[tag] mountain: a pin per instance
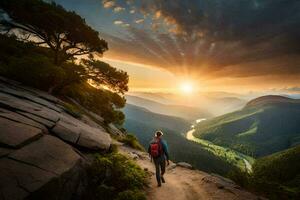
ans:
(264, 126)
(279, 174)
(186, 112)
(201, 105)
(143, 124)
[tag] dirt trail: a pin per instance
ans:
(186, 184)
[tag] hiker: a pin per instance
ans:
(158, 150)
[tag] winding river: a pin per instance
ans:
(240, 160)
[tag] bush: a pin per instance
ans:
(132, 141)
(114, 176)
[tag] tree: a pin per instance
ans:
(105, 75)
(49, 24)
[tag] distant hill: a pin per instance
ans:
(264, 126)
(186, 112)
(143, 123)
(199, 105)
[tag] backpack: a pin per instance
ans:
(156, 149)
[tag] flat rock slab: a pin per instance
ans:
(43, 121)
(18, 180)
(48, 153)
(23, 94)
(72, 130)
(66, 129)
(21, 119)
(14, 134)
(14, 103)
(5, 151)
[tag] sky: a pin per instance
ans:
(213, 45)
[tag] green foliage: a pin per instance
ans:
(276, 176)
(114, 176)
(53, 26)
(104, 74)
(102, 102)
(132, 141)
(257, 130)
(33, 66)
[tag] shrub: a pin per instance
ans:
(114, 176)
(132, 141)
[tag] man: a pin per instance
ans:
(158, 150)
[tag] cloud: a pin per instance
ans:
(139, 21)
(108, 4)
(118, 9)
(118, 22)
(220, 38)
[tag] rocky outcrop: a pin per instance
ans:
(42, 146)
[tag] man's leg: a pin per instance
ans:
(163, 169)
(157, 171)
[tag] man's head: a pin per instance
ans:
(158, 134)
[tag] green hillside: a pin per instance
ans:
(264, 126)
(276, 176)
(143, 124)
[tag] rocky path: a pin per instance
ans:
(183, 183)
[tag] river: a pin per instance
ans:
(240, 160)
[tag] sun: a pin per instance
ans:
(187, 87)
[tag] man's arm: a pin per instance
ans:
(165, 148)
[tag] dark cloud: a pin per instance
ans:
(236, 38)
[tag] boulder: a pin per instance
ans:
(171, 166)
(185, 165)
(72, 130)
(46, 153)
(14, 134)
(66, 129)
(38, 166)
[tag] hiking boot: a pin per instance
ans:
(162, 179)
(159, 185)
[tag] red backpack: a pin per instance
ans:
(156, 148)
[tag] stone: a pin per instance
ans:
(14, 134)
(185, 165)
(66, 129)
(13, 103)
(171, 166)
(23, 94)
(48, 153)
(72, 130)
(91, 123)
(43, 121)
(5, 151)
(93, 138)
(21, 119)
(133, 155)
(18, 179)
(114, 130)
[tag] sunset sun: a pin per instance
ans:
(187, 87)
